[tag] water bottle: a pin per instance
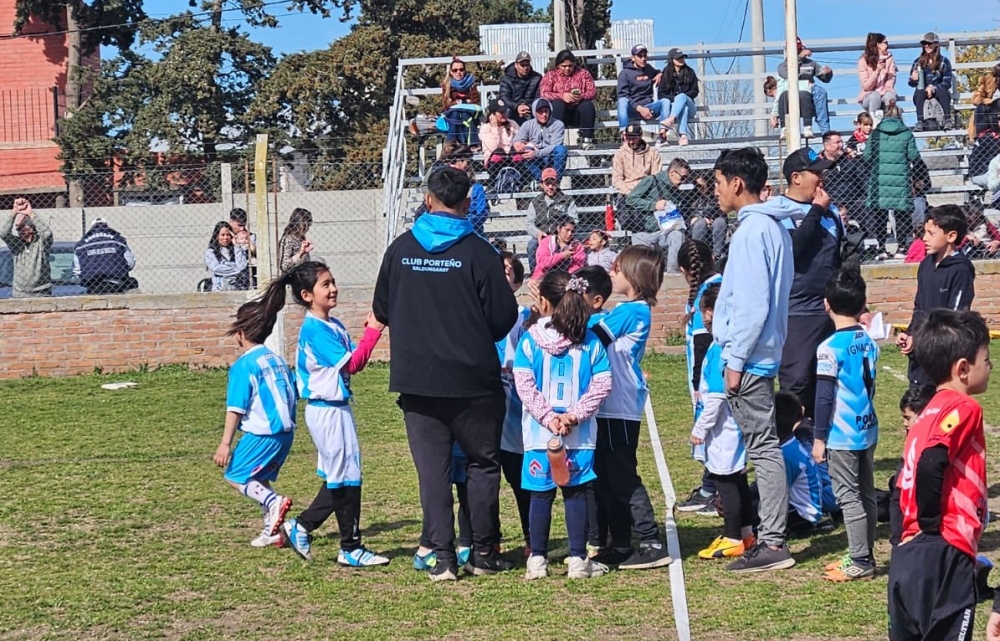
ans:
(920, 82)
(558, 462)
(609, 218)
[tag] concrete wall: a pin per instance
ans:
(63, 336)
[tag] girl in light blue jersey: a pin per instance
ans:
(260, 403)
(562, 375)
(325, 360)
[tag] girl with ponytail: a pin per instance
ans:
(562, 375)
(325, 360)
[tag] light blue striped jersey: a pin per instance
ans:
(262, 389)
(627, 328)
(849, 358)
(725, 451)
(696, 326)
(324, 349)
(510, 438)
(805, 487)
(562, 379)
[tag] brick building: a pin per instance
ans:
(33, 69)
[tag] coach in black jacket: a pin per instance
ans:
(442, 292)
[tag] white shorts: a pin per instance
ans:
(336, 439)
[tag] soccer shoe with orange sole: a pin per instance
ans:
(852, 571)
(722, 548)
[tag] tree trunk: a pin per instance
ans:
(74, 77)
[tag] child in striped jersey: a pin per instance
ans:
(325, 360)
(260, 402)
(562, 375)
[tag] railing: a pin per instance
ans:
(28, 115)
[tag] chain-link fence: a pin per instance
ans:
(181, 224)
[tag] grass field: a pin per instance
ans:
(115, 524)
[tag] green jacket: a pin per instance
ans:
(650, 189)
(890, 154)
(32, 275)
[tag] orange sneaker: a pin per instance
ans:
(852, 571)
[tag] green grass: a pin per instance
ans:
(114, 524)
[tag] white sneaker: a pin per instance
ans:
(265, 540)
(587, 144)
(537, 568)
(807, 132)
(585, 568)
(276, 514)
(360, 558)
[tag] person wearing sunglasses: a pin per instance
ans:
(931, 79)
(570, 89)
(460, 104)
(519, 87)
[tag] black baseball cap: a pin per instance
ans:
(633, 129)
(804, 159)
(497, 105)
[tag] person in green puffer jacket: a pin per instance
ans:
(891, 155)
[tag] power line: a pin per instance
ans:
(746, 11)
(136, 24)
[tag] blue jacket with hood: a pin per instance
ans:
(443, 293)
(751, 314)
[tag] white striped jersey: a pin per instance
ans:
(324, 349)
(624, 331)
(262, 389)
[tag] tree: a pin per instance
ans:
(587, 21)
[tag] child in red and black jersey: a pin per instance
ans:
(932, 590)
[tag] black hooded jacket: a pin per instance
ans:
(948, 285)
(516, 91)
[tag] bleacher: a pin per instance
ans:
(588, 174)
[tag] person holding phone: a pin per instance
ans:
(560, 250)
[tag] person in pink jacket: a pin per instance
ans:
(571, 90)
(560, 250)
(877, 73)
(497, 138)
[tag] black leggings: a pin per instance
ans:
(511, 463)
(345, 502)
(737, 509)
(582, 115)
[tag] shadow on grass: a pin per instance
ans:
(887, 464)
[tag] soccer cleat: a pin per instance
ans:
(585, 568)
(462, 554)
(442, 572)
(424, 563)
(360, 557)
(649, 555)
(761, 558)
(722, 548)
(851, 571)
(694, 502)
(276, 513)
(297, 538)
(265, 540)
(537, 568)
(838, 564)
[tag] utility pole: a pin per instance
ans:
(558, 25)
(759, 67)
(792, 53)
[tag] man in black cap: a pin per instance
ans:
(519, 87)
(816, 240)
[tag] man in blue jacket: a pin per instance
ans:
(443, 293)
(751, 323)
(102, 260)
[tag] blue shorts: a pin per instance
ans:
(258, 458)
(536, 476)
(459, 474)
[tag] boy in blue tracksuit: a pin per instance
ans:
(751, 320)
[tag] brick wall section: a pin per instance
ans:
(59, 337)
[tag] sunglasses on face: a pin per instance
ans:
(457, 69)
(642, 55)
(524, 63)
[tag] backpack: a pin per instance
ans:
(629, 218)
(508, 181)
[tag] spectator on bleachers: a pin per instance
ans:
(539, 141)
(653, 194)
(635, 92)
(983, 239)
(705, 216)
(985, 149)
(811, 71)
(460, 157)
(497, 135)
(460, 104)
(891, 155)
(632, 162)
(560, 250)
(519, 87)
(545, 208)
(29, 239)
(877, 74)
(863, 126)
(599, 250)
(930, 76)
(679, 87)
(294, 247)
(570, 90)
(777, 90)
(226, 260)
(844, 180)
(986, 99)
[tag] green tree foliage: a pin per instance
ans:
(110, 23)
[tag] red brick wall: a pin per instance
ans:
(58, 337)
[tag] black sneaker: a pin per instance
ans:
(483, 564)
(443, 572)
(761, 558)
(712, 508)
(613, 556)
(649, 556)
(694, 502)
